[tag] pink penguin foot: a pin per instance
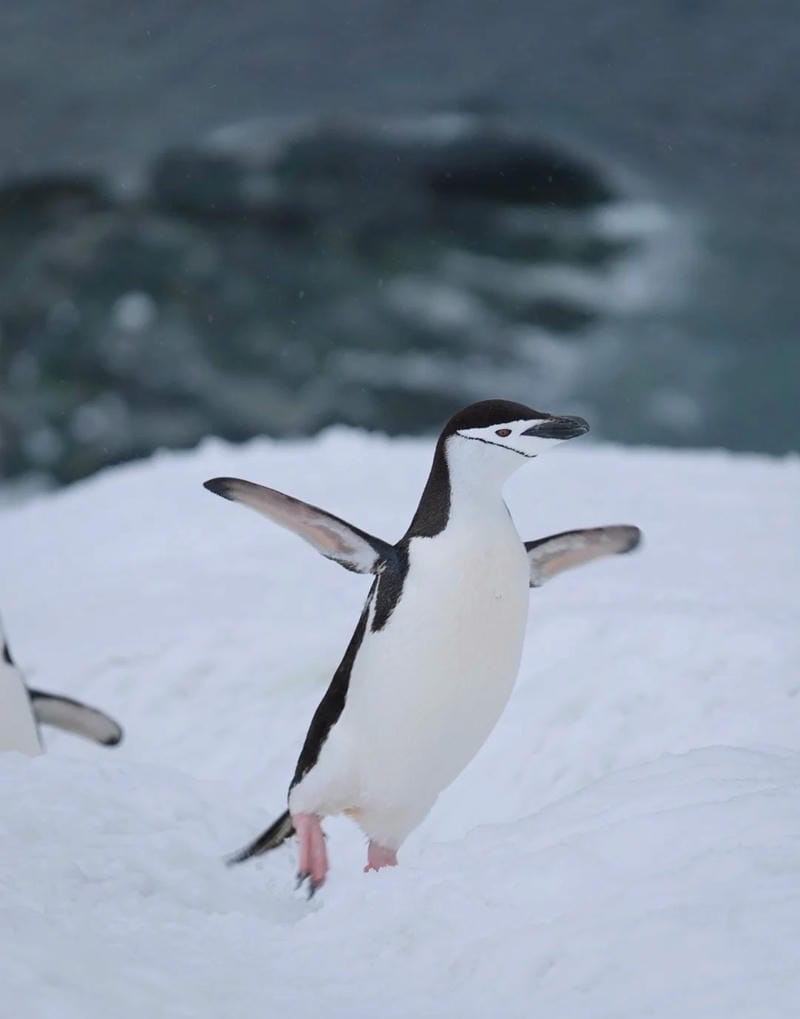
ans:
(380, 856)
(313, 863)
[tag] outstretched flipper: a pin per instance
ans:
(558, 552)
(72, 716)
(333, 537)
(273, 837)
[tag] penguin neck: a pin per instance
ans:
(466, 480)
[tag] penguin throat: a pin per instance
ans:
(478, 470)
(466, 477)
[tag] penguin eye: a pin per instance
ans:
(503, 432)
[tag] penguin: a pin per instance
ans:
(436, 650)
(23, 710)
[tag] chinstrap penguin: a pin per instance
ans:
(436, 651)
(23, 710)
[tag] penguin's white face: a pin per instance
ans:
(527, 437)
(487, 441)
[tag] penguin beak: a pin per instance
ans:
(558, 428)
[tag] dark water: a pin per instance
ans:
(271, 223)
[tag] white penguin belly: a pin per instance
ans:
(18, 729)
(428, 688)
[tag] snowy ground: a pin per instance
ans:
(626, 845)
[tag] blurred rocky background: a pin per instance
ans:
(268, 218)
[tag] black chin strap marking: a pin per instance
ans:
(477, 438)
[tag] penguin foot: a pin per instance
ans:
(379, 856)
(312, 884)
(313, 862)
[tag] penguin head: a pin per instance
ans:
(502, 434)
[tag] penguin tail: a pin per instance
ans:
(273, 837)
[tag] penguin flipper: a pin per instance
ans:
(333, 537)
(274, 836)
(72, 716)
(558, 552)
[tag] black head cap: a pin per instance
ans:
(486, 413)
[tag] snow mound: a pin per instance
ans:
(626, 844)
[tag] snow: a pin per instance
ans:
(627, 844)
